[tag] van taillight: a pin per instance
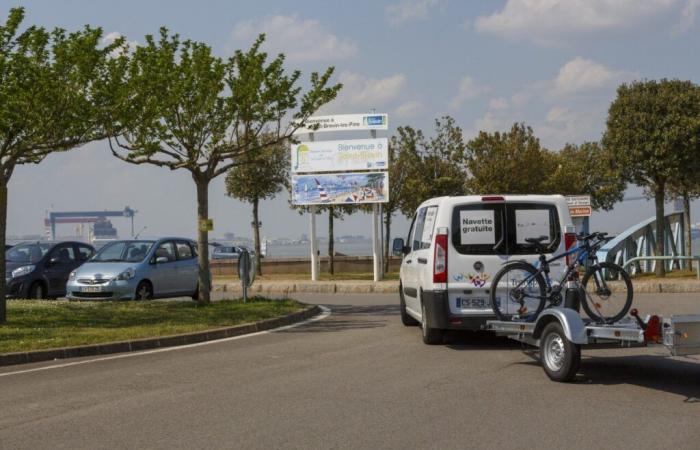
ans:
(493, 198)
(569, 242)
(440, 259)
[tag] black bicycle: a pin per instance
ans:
(520, 290)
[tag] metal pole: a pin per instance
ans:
(381, 238)
(375, 244)
(314, 247)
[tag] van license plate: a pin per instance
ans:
(91, 289)
(475, 302)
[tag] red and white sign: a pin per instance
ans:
(580, 211)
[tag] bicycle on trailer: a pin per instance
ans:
(528, 288)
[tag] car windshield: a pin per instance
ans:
(27, 253)
(123, 251)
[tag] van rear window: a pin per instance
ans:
(502, 228)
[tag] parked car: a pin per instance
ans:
(227, 252)
(41, 269)
(457, 244)
(138, 269)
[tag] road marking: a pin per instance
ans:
(325, 312)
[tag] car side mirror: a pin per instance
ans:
(398, 248)
(161, 260)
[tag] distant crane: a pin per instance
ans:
(85, 217)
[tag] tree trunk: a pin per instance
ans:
(387, 240)
(660, 228)
(686, 227)
(331, 251)
(3, 227)
(256, 228)
(203, 241)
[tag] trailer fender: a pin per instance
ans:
(570, 320)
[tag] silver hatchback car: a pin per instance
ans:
(138, 269)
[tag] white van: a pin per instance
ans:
(457, 244)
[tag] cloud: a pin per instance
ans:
(408, 109)
(301, 40)
(468, 90)
(687, 17)
(411, 10)
(364, 92)
(498, 103)
(580, 75)
(550, 22)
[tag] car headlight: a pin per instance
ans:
(128, 274)
(21, 271)
(72, 276)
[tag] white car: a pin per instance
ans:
(457, 244)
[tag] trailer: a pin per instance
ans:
(560, 333)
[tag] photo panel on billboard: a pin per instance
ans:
(340, 188)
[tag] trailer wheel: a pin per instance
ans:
(559, 356)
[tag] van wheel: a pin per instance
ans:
(37, 291)
(406, 319)
(144, 291)
(431, 336)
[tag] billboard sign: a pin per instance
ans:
(346, 155)
(340, 188)
(345, 122)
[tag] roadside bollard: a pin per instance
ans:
(246, 272)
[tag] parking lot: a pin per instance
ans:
(356, 379)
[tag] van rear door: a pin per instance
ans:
(487, 235)
(478, 250)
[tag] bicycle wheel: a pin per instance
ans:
(606, 303)
(518, 292)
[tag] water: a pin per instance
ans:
(303, 250)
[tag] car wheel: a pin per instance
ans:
(144, 291)
(431, 336)
(37, 291)
(195, 296)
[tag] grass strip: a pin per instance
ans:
(41, 324)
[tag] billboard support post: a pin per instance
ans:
(314, 245)
(375, 243)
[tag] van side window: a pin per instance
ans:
(426, 237)
(418, 229)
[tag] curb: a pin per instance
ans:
(392, 287)
(9, 359)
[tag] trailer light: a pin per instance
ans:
(455, 321)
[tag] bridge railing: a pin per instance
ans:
(638, 244)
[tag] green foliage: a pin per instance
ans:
(587, 169)
(433, 165)
(52, 88)
(261, 175)
(511, 162)
(653, 130)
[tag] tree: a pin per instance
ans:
(185, 109)
(585, 169)
(436, 170)
(513, 162)
(259, 176)
(653, 129)
(402, 153)
(52, 88)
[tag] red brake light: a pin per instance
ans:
(440, 259)
(493, 198)
(569, 243)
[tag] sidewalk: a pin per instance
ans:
(652, 286)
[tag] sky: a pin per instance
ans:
(553, 64)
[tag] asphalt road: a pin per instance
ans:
(356, 379)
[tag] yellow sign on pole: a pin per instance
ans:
(206, 224)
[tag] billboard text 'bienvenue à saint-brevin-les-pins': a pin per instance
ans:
(311, 162)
